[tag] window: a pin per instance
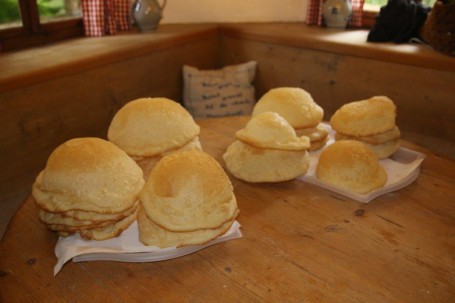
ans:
(26, 23)
(371, 9)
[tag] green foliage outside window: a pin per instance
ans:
(9, 9)
(51, 8)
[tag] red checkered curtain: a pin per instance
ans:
(314, 13)
(357, 13)
(105, 17)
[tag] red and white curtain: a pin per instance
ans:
(314, 13)
(105, 17)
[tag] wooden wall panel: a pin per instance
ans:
(424, 97)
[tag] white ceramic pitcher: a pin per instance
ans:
(337, 13)
(147, 14)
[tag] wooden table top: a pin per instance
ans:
(301, 243)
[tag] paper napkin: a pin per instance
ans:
(127, 248)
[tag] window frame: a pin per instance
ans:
(369, 18)
(33, 33)
(370, 12)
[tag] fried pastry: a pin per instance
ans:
(351, 165)
(149, 128)
(298, 107)
(371, 121)
(187, 199)
(89, 186)
(267, 150)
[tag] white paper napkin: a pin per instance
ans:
(402, 169)
(127, 248)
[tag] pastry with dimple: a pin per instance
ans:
(351, 165)
(267, 150)
(371, 121)
(187, 199)
(298, 107)
(149, 128)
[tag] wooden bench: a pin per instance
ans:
(72, 89)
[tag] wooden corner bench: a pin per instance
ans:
(72, 89)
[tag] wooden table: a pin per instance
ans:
(300, 243)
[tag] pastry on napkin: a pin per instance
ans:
(188, 199)
(191, 204)
(351, 165)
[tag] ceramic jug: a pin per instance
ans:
(337, 13)
(147, 14)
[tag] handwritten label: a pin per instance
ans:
(216, 93)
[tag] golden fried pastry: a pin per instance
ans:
(148, 163)
(319, 135)
(366, 117)
(152, 234)
(69, 223)
(389, 135)
(188, 191)
(351, 165)
(108, 231)
(298, 107)
(83, 215)
(267, 150)
(292, 103)
(252, 164)
(270, 130)
(79, 218)
(371, 121)
(149, 128)
(88, 183)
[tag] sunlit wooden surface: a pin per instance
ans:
(300, 243)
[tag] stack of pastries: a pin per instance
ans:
(97, 187)
(89, 186)
(371, 121)
(267, 150)
(365, 132)
(187, 199)
(297, 106)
